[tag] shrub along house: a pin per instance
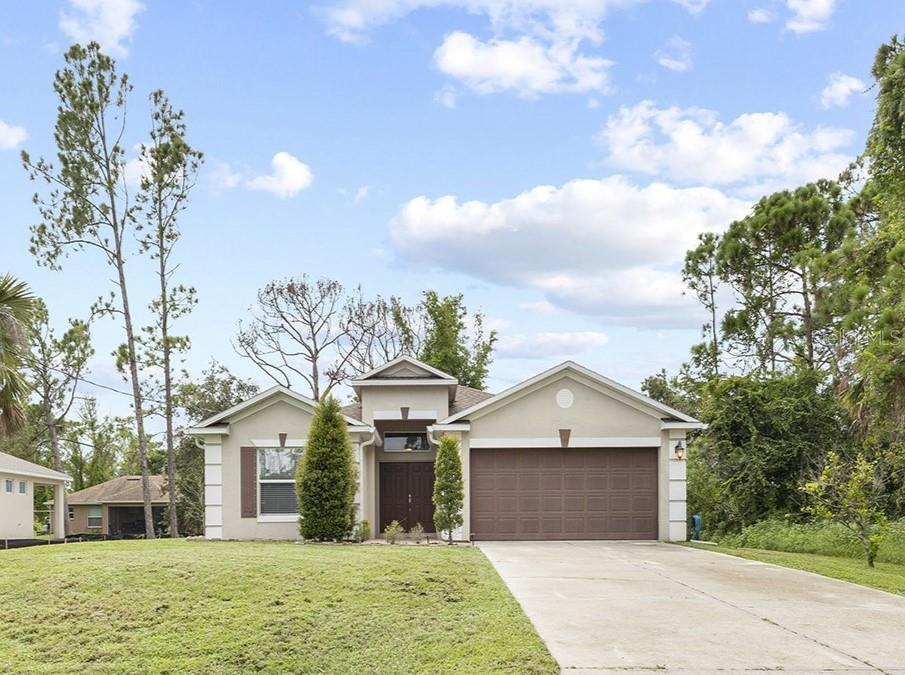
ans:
(116, 507)
(567, 454)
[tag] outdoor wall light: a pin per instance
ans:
(680, 450)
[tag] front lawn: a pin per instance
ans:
(885, 576)
(231, 607)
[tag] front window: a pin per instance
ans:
(9, 485)
(405, 442)
(23, 487)
(95, 517)
(276, 481)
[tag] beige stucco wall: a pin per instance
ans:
(390, 398)
(16, 511)
(536, 414)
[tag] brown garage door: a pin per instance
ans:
(564, 493)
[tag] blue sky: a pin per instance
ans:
(550, 159)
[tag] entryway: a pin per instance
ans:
(406, 494)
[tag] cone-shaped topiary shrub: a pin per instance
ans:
(325, 478)
(449, 491)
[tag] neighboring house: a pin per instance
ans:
(17, 497)
(116, 507)
(567, 454)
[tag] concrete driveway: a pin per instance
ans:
(649, 607)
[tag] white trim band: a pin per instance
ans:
(551, 442)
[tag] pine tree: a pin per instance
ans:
(449, 490)
(325, 479)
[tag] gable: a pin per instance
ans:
(270, 420)
(566, 401)
(402, 368)
(406, 370)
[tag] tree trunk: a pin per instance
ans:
(54, 435)
(716, 348)
(808, 319)
(167, 388)
(136, 397)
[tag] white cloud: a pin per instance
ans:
(760, 15)
(11, 136)
(809, 15)
(109, 22)
(754, 152)
(223, 177)
(676, 55)
(693, 6)
(536, 46)
(526, 66)
(549, 345)
(604, 247)
(361, 194)
(289, 177)
(446, 96)
(839, 89)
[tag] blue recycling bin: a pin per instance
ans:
(697, 524)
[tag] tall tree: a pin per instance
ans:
(17, 308)
(449, 490)
(311, 331)
(87, 205)
(771, 259)
(701, 274)
(170, 169)
(56, 366)
(447, 345)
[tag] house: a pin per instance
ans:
(567, 454)
(17, 497)
(116, 507)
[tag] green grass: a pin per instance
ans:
(242, 607)
(888, 577)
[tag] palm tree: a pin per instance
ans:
(17, 307)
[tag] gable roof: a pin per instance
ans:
(464, 397)
(605, 382)
(263, 396)
(121, 489)
(430, 372)
(21, 467)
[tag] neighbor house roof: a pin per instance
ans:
(17, 466)
(629, 395)
(125, 489)
(465, 397)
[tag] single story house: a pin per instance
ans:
(567, 454)
(116, 507)
(18, 478)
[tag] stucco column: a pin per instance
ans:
(59, 511)
(213, 488)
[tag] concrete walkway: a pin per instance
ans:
(606, 607)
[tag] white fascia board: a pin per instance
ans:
(58, 478)
(277, 389)
(361, 429)
(404, 382)
(412, 361)
(462, 426)
(219, 430)
(682, 425)
(606, 382)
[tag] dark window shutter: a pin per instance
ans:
(249, 481)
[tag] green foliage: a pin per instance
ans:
(701, 274)
(17, 309)
(362, 531)
(819, 537)
(680, 392)
(325, 481)
(851, 494)
(765, 436)
(393, 531)
(449, 489)
(416, 532)
(446, 340)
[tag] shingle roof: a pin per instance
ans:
(465, 397)
(122, 489)
(20, 467)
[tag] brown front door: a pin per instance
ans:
(406, 494)
(564, 493)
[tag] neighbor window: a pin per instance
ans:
(71, 513)
(276, 480)
(405, 442)
(95, 516)
(9, 485)
(23, 487)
